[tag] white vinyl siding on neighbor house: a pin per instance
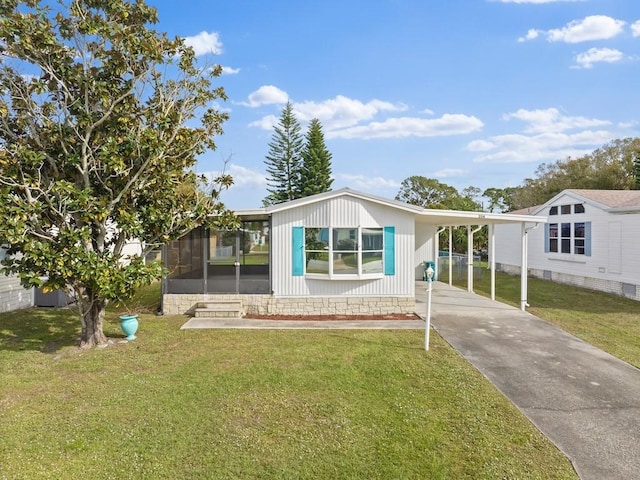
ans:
(343, 215)
(600, 247)
(12, 295)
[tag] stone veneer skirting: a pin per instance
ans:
(178, 304)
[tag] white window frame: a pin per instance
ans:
(331, 251)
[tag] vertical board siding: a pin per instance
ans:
(343, 212)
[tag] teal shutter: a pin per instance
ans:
(546, 238)
(389, 250)
(587, 239)
(297, 250)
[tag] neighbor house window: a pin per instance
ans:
(579, 238)
(343, 252)
(568, 238)
(553, 237)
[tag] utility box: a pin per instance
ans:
(57, 298)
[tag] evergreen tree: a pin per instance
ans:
(315, 171)
(636, 171)
(284, 159)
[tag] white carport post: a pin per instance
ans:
(470, 234)
(525, 266)
(492, 258)
(450, 255)
(523, 269)
(436, 250)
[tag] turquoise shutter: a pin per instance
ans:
(389, 250)
(546, 238)
(297, 249)
(587, 239)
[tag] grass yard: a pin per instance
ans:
(609, 322)
(252, 404)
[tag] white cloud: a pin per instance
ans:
(366, 182)
(548, 136)
(595, 55)
(344, 117)
(402, 127)
(267, 95)
(531, 35)
(265, 123)
(341, 111)
(230, 71)
(594, 27)
(545, 147)
(635, 29)
(204, 43)
(450, 173)
(551, 120)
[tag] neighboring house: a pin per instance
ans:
(590, 240)
(12, 295)
(341, 252)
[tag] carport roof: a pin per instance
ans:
(438, 217)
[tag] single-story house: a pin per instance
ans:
(590, 240)
(341, 252)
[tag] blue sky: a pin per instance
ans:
(470, 92)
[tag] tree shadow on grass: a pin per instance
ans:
(44, 330)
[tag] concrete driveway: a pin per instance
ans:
(584, 400)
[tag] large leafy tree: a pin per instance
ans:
(284, 159)
(499, 199)
(315, 170)
(430, 193)
(101, 120)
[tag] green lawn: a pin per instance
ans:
(609, 322)
(252, 404)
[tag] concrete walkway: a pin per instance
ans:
(584, 400)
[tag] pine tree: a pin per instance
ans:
(636, 170)
(315, 171)
(284, 159)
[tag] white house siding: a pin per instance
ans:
(424, 247)
(614, 264)
(343, 211)
(12, 295)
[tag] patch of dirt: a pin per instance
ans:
(391, 316)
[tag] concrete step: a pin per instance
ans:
(219, 309)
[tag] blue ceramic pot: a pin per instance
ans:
(129, 325)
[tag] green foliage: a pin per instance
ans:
(499, 199)
(97, 145)
(315, 170)
(284, 159)
(430, 193)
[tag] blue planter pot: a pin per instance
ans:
(129, 325)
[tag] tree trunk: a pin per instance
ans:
(92, 312)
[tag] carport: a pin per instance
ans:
(446, 220)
